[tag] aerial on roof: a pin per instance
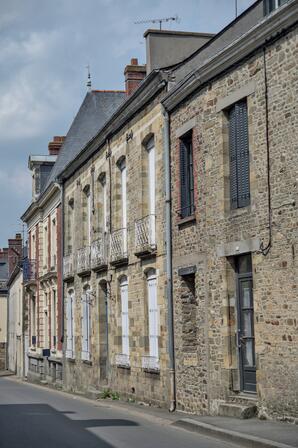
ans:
(95, 110)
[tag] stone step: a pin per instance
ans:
(237, 410)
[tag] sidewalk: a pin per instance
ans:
(6, 373)
(252, 433)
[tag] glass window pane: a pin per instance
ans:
(244, 264)
(247, 323)
(248, 354)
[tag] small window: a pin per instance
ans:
(239, 155)
(271, 5)
(186, 176)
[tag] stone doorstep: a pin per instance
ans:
(237, 410)
(241, 439)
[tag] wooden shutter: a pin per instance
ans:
(124, 317)
(183, 180)
(242, 154)
(233, 158)
(239, 155)
(85, 340)
(153, 317)
(69, 327)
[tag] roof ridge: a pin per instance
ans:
(109, 91)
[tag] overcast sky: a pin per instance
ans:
(45, 46)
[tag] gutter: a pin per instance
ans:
(169, 271)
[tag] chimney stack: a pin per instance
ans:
(134, 75)
(55, 145)
(14, 252)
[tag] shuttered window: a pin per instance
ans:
(186, 176)
(70, 347)
(153, 316)
(86, 326)
(124, 317)
(239, 155)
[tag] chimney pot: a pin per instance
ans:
(55, 145)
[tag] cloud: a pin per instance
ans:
(17, 182)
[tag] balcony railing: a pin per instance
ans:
(122, 360)
(145, 234)
(68, 267)
(29, 270)
(118, 245)
(83, 259)
(99, 252)
(150, 363)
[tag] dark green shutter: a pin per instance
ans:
(233, 158)
(242, 154)
(183, 179)
(239, 155)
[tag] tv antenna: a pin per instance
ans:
(160, 21)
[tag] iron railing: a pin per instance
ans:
(150, 363)
(122, 360)
(83, 259)
(98, 252)
(145, 233)
(68, 266)
(118, 244)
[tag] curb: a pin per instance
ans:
(245, 440)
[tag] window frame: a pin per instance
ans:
(186, 175)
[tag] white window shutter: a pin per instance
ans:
(125, 323)
(153, 317)
(85, 351)
(69, 338)
(73, 324)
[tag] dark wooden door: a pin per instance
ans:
(246, 339)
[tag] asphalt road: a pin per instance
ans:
(35, 417)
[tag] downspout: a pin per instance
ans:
(61, 188)
(168, 239)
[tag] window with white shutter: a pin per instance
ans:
(124, 316)
(239, 155)
(86, 326)
(153, 315)
(70, 345)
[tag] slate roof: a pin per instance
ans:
(97, 107)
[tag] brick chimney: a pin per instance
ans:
(14, 252)
(134, 75)
(55, 145)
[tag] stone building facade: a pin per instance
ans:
(235, 257)
(42, 272)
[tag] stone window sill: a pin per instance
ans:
(88, 363)
(187, 220)
(72, 360)
(152, 371)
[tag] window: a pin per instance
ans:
(87, 215)
(53, 245)
(103, 182)
(54, 320)
(271, 5)
(86, 321)
(153, 314)
(186, 176)
(70, 340)
(124, 316)
(239, 155)
(151, 197)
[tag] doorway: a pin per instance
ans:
(245, 323)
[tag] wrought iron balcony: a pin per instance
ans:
(68, 267)
(118, 245)
(145, 239)
(29, 270)
(83, 260)
(99, 252)
(122, 360)
(150, 363)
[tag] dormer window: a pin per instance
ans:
(271, 5)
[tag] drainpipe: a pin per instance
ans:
(168, 238)
(61, 188)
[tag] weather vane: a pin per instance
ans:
(88, 84)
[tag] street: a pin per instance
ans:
(36, 417)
